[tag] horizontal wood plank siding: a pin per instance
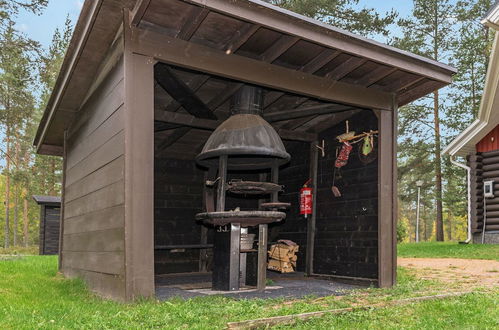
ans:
(102, 262)
(112, 217)
(109, 240)
(94, 233)
(109, 174)
(107, 285)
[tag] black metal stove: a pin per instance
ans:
(245, 141)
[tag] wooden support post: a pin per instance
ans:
(139, 170)
(209, 206)
(226, 250)
(314, 159)
(235, 255)
(222, 178)
(262, 257)
(63, 191)
(263, 233)
(387, 198)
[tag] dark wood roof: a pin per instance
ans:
(246, 29)
(47, 199)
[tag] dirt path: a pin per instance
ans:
(456, 272)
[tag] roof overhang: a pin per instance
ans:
(491, 19)
(409, 76)
(488, 116)
(47, 200)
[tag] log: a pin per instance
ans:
(490, 174)
(290, 319)
(490, 160)
(491, 167)
(490, 154)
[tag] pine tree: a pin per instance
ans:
(429, 32)
(16, 100)
(344, 14)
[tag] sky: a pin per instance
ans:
(41, 28)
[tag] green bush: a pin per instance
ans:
(402, 231)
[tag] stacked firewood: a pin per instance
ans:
(282, 256)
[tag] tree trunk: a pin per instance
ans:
(438, 169)
(16, 192)
(7, 190)
(26, 223)
(16, 214)
(425, 231)
(449, 225)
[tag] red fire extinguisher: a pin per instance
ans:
(306, 197)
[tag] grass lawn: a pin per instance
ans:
(448, 250)
(32, 295)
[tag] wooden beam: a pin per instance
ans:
(207, 124)
(195, 84)
(296, 135)
(296, 123)
(63, 200)
(174, 137)
(177, 89)
(240, 37)
(305, 112)
(419, 91)
(332, 120)
(278, 48)
(320, 60)
(186, 120)
(206, 59)
(345, 68)
(314, 162)
(270, 322)
(399, 84)
(191, 25)
(387, 188)
(374, 76)
(139, 171)
(138, 12)
(287, 22)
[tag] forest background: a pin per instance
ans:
(444, 30)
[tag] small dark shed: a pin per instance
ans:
(50, 216)
(145, 88)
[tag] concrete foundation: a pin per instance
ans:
(491, 237)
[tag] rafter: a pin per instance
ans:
(320, 60)
(192, 24)
(209, 60)
(345, 68)
(278, 48)
(177, 89)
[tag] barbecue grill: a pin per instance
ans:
(244, 142)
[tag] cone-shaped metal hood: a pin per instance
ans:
(248, 140)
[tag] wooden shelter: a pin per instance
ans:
(50, 208)
(478, 144)
(143, 85)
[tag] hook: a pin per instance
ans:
(322, 149)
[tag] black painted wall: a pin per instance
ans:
(177, 198)
(347, 227)
(293, 176)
